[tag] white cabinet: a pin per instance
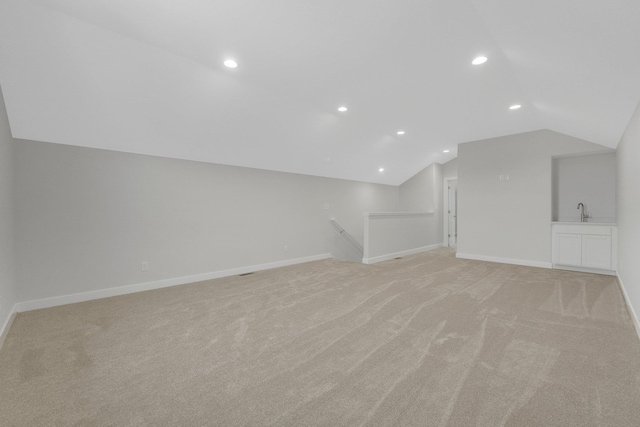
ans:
(596, 251)
(569, 249)
(584, 247)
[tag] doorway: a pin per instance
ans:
(450, 217)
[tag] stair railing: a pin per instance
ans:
(348, 237)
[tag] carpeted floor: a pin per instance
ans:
(427, 340)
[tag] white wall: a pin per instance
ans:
(450, 169)
(389, 235)
(423, 193)
(7, 254)
(417, 227)
(87, 218)
(590, 180)
(508, 219)
(628, 185)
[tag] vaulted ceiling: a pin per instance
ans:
(147, 76)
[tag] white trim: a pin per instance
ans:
(139, 287)
(7, 324)
(606, 224)
(634, 315)
(399, 254)
(584, 269)
(365, 245)
(445, 210)
(396, 214)
(514, 261)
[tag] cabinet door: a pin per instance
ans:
(569, 249)
(596, 251)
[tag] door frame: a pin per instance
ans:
(445, 210)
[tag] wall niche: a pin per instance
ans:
(588, 179)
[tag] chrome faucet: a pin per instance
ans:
(583, 216)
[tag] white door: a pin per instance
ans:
(453, 213)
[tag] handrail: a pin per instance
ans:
(348, 237)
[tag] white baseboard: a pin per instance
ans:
(584, 270)
(634, 315)
(4, 331)
(513, 261)
(147, 286)
(386, 257)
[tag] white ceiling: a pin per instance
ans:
(146, 76)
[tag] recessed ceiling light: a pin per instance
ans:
(381, 170)
(342, 109)
(515, 107)
(479, 60)
(400, 132)
(445, 151)
(230, 63)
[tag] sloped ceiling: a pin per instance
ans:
(147, 76)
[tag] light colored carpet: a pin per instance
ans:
(426, 340)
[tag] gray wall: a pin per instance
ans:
(585, 179)
(450, 169)
(392, 235)
(87, 218)
(7, 237)
(423, 192)
(628, 183)
(509, 218)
